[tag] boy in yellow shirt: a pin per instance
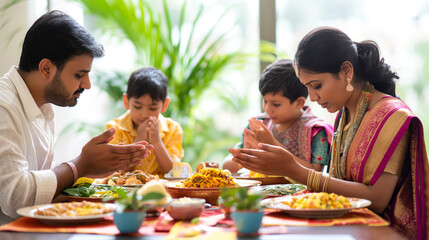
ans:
(145, 100)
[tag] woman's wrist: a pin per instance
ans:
(298, 172)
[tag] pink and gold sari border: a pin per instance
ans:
(367, 137)
(389, 151)
(420, 185)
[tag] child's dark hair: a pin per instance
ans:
(148, 80)
(324, 49)
(280, 77)
(57, 37)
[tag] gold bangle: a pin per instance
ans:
(310, 179)
(313, 180)
(325, 183)
(318, 177)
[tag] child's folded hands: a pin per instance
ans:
(260, 133)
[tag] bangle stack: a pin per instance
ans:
(325, 183)
(314, 179)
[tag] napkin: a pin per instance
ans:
(208, 218)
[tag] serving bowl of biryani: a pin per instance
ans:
(206, 184)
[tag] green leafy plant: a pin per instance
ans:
(135, 202)
(4, 7)
(169, 39)
(190, 64)
(241, 199)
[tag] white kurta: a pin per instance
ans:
(26, 148)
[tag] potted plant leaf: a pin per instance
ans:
(246, 210)
(131, 210)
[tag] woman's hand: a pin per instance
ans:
(268, 159)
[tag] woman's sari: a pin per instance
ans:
(379, 132)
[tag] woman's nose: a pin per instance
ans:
(313, 96)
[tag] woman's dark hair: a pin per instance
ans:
(57, 37)
(148, 80)
(324, 49)
(280, 77)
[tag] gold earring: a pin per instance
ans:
(349, 87)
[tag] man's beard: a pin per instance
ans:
(57, 94)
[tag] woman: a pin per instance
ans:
(378, 151)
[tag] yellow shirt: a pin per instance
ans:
(169, 130)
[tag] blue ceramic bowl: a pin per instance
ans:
(129, 222)
(247, 222)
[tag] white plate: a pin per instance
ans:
(62, 220)
(174, 178)
(276, 203)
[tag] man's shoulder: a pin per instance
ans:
(8, 94)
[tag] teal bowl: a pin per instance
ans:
(129, 222)
(247, 222)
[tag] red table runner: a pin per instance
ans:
(274, 222)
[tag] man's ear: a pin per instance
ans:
(299, 102)
(47, 69)
(125, 100)
(165, 104)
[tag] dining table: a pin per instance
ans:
(317, 233)
(279, 222)
(357, 224)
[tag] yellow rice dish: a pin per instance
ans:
(71, 209)
(210, 178)
(320, 200)
(253, 174)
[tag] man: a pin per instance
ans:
(56, 58)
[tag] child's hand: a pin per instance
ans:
(153, 131)
(142, 131)
(250, 140)
(261, 132)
